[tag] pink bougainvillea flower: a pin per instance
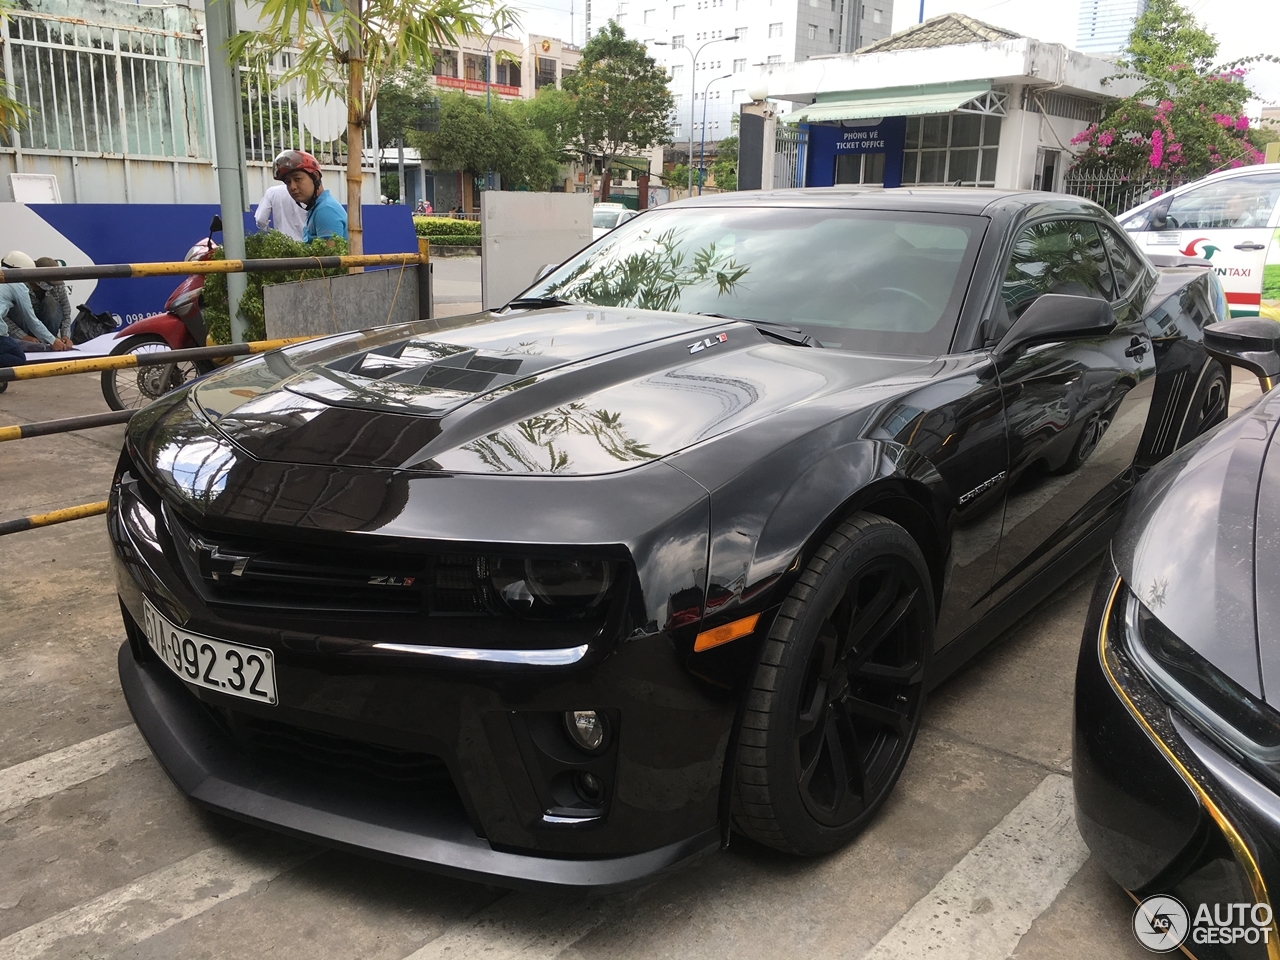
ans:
(1242, 123)
(1157, 148)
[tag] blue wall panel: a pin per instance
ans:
(827, 142)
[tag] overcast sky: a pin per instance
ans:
(1243, 27)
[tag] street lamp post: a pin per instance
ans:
(693, 89)
(702, 147)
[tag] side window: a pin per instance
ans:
(1058, 256)
(1124, 262)
(1238, 202)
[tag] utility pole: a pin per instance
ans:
(228, 137)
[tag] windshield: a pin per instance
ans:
(605, 218)
(873, 281)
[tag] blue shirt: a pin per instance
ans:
(15, 306)
(326, 218)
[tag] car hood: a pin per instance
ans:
(1187, 546)
(567, 390)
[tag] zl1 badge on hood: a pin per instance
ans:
(708, 342)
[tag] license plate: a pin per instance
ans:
(230, 668)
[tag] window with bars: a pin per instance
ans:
(775, 30)
(954, 148)
(546, 75)
(677, 40)
(740, 65)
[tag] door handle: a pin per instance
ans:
(1136, 349)
(1250, 245)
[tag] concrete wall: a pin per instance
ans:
(520, 232)
(353, 301)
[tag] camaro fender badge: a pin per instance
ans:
(981, 488)
(708, 342)
(392, 581)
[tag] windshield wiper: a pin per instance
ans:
(538, 303)
(773, 329)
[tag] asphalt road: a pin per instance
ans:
(975, 856)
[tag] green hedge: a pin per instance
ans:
(267, 244)
(435, 227)
(454, 241)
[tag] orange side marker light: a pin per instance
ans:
(723, 634)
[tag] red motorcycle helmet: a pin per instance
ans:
(291, 160)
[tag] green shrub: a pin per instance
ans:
(434, 227)
(454, 241)
(265, 245)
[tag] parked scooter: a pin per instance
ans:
(181, 326)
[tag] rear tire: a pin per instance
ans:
(1209, 405)
(837, 697)
(134, 387)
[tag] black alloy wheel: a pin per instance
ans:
(839, 692)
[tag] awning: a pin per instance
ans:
(889, 102)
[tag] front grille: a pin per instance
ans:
(341, 758)
(247, 571)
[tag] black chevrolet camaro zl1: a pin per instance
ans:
(673, 544)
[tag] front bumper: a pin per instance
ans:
(207, 767)
(1162, 808)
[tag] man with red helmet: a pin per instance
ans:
(300, 173)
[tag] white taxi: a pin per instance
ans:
(1230, 219)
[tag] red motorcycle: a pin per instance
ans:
(181, 326)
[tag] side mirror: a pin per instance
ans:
(215, 225)
(543, 271)
(1249, 342)
(1058, 316)
(1158, 218)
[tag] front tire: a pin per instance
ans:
(839, 691)
(134, 388)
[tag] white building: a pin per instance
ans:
(951, 101)
(1105, 25)
(729, 38)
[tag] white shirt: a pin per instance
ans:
(278, 208)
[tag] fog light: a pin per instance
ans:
(586, 729)
(590, 788)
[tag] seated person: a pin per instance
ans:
(15, 309)
(52, 305)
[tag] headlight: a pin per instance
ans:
(551, 587)
(1218, 705)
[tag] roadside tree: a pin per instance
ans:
(348, 53)
(475, 138)
(1188, 119)
(622, 98)
(724, 169)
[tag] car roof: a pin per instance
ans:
(961, 200)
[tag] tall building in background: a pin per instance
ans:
(1105, 25)
(768, 32)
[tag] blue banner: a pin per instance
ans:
(151, 232)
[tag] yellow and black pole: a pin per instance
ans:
(61, 368)
(111, 271)
(52, 517)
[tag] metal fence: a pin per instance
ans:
(118, 93)
(280, 118)
(97, 88)
(1117, 190)
(790, 150)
